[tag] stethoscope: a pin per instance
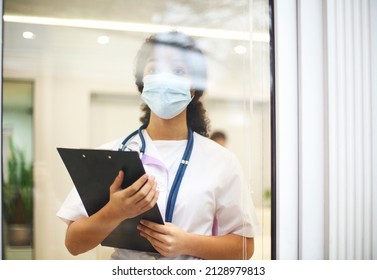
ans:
(181, 170)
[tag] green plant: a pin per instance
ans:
(18, 189)
(267, 194)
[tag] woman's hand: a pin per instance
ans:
(133, 200)
(85, 234)
(169, 240)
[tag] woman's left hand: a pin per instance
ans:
(169, 240)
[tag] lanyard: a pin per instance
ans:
(181, 169)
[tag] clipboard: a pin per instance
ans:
(92, 172)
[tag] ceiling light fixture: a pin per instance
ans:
(28, 35)
(140, 27)
(103, 40)
(240, 49)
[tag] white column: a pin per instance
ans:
(349, 133)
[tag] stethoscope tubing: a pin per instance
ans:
(181, 169)
(123, 146)
(178, 178)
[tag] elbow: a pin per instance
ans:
(73, 253)
(249, 253)
(73, 250)
(249, 248)
(70, 243)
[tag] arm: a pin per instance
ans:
(226, 247)
(170, 240)
(83, 235)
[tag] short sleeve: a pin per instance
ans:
(72, 208)
(235, 211)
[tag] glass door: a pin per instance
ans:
(80, 55)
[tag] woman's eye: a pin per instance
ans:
(180, 71)
(151, 70)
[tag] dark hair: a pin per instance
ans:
(195, 60)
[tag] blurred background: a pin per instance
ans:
(68, 82)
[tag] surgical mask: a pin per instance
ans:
(167, 95)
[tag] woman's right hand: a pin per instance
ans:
(133, 200)
(85, 234)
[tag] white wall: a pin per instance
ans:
(329, 117)
(349, 86)
(373, 16)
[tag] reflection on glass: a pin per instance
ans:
(85, 94)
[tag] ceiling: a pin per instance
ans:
(68, 44)
(223, 14)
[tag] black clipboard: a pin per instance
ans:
(92, 172)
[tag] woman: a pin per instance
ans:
(196, 183)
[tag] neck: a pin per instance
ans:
(173, 129)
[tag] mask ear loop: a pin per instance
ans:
(192, 93)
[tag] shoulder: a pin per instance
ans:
(111, 145)
(209, 149)
(219, 164)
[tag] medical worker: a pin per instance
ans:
(219, 137)
(197, 184)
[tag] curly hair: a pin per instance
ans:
(194, 58)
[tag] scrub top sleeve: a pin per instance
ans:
(235, 209)
(72, 209)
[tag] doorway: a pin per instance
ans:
(17, 190)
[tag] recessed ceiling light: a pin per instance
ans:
(240, 49)
(103, 40)
(28, 35)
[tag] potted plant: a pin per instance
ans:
(18, 199)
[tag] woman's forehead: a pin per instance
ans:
(163, 52)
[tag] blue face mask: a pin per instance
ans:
(167, 95)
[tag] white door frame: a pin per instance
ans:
(286, 99)
(1, 139)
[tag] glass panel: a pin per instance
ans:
(81, 55)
